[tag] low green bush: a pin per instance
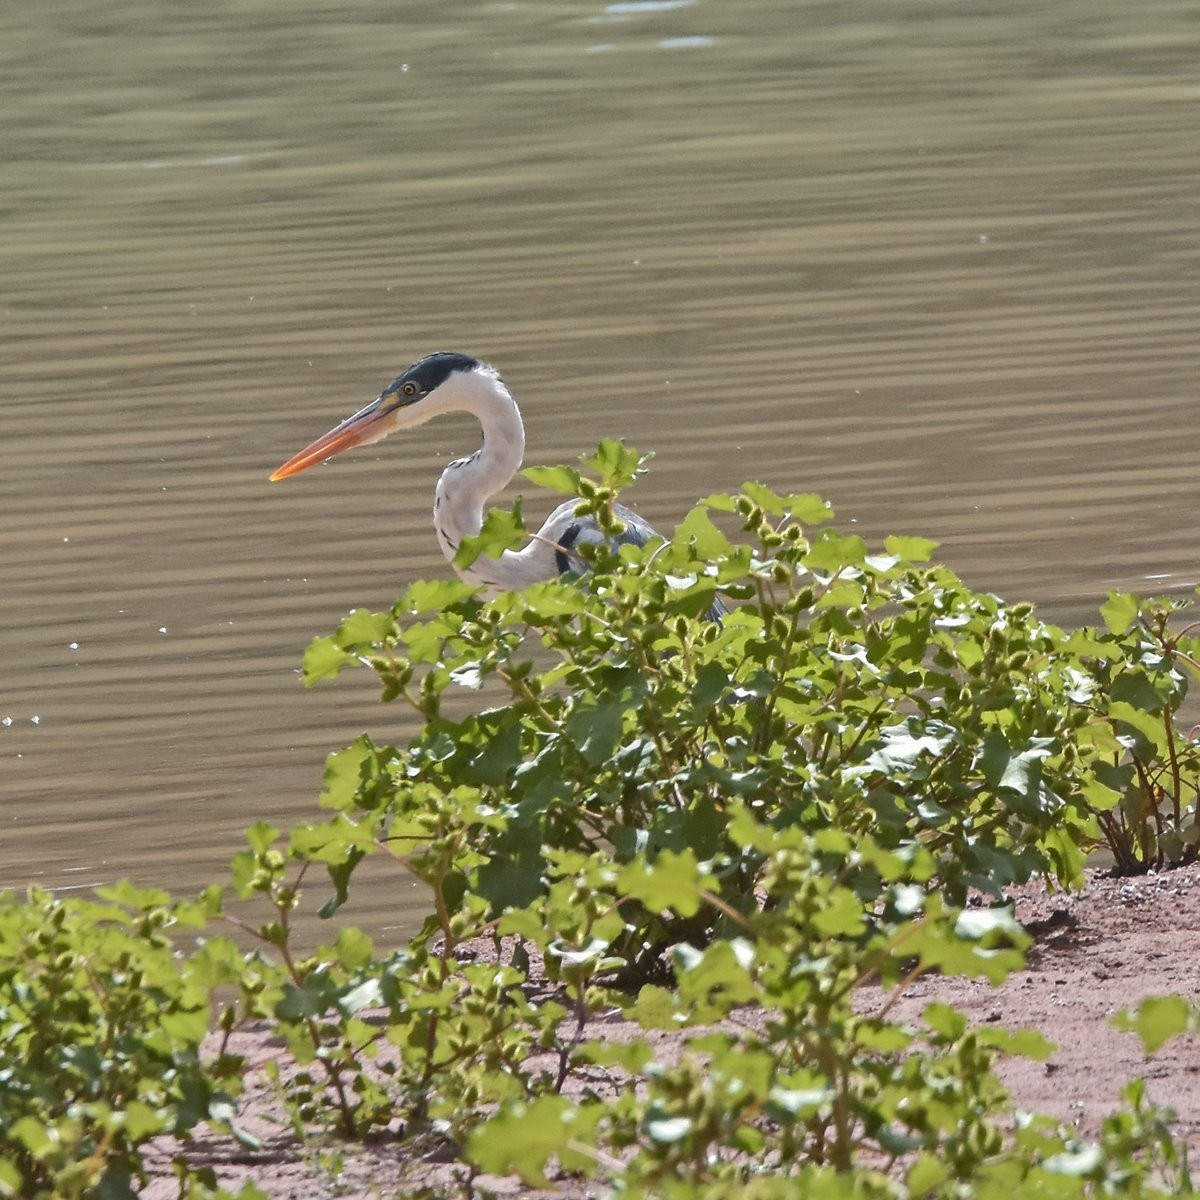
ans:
(745, 837)
(865, 691)
(1140, 769)
(101, 1026)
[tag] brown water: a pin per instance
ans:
(936, 261)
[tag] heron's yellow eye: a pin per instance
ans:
(409, 389)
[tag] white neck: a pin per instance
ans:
(466, 484)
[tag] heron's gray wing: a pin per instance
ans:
(637, 532)
(584, 531)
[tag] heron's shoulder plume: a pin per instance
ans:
(430, 372)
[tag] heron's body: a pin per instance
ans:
(443, 383)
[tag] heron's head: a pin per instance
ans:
(434, 384)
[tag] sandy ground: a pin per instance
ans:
(1095, 952)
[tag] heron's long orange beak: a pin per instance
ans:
(366, 426)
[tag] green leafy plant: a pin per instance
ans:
(1142, 769)
(101, 1029)
(851, 689)
(868, 691)
(783, 1062)
(744, 837)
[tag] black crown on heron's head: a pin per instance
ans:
(430, 372)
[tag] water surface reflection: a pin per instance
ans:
(935, 263)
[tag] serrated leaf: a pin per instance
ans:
(1150, 727)
(363, 627)
(805, 507)
(312, 998)
(434, 595)
(596, 729)
(354, 948)
(629, 1056)
(522, 1138)
(1120, 612)
(657, 1008)
(724, 967)
(926, 1175)
(261, 836)
(141, 1121)
(345, 771)
(556, 479)
(324, 659)
(126, 892)
(945, 1020)
(673, 881)
(832, 552)
(911, 549)
(965, 951)
(502, 530)
(1157, 1019)
(840, 915)
(697, 531)
(616, 464)
(1027, 1043)
(1133, 687)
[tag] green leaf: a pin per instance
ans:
(557, 479)
(1158, 1019)
(722, 970)
(261, 836)
(800, 1102)
(712, 681)
(31, 1134)
(698, 531)
(596, 728)
(911, 549)
(1150, 727)
(673, 881)
(363, 627)
(926, 1175)
(632, 1057)
(616, 464)
(945, 1020)
(346, 771)
(324, 659)
(499, 755)
(1120, 612)
(10, 1178)
(1133, 687)
(142, 1121)
(354, 948)
(657, 1008)
(805, 507)
(833, 552)
(434, 595)
(312, 998)
(841, 914)
(501, 531)
(1022, 772)
(1027, 1043)
(979, 924)
(521, 1139)
(967, 951)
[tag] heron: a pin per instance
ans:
(447, 382)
